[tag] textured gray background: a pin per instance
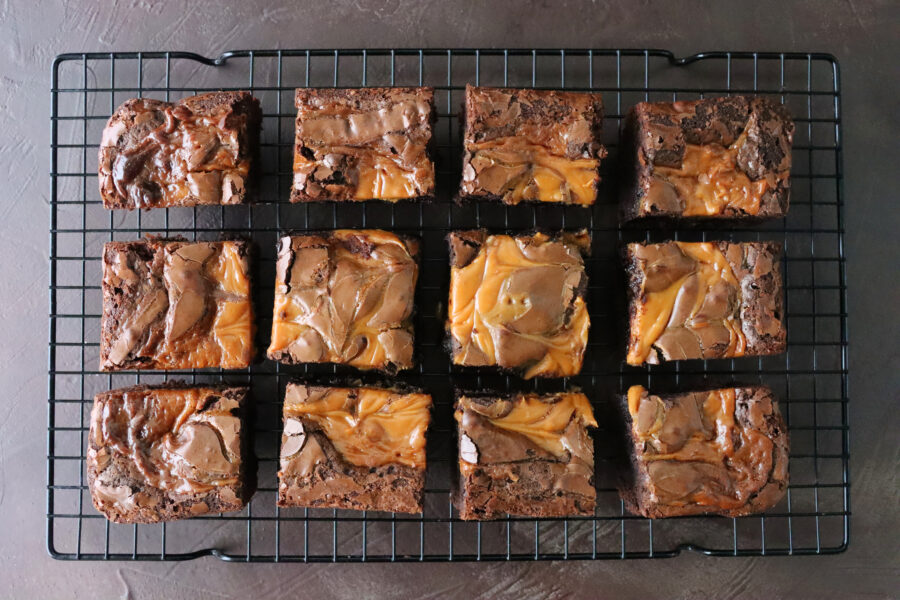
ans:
(864, 36)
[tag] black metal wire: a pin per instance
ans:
(810, 379)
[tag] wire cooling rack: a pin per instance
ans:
(810, 379)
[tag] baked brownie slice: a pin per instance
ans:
(704, 300)
(347, 297)
(531, 146)
(518, 302)
(359, 448)
(166, 452)
(198, 150)
(720, 158)
(525, 455)
(363, 144)
(170, 304)
(721, 451)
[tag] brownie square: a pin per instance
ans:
(526, 454)
(360, 448)
(518, 302)
(195, 151)
(167, 452)
(718, 158)
(346, 297)
(170, 304)
(363, 144)
(722, 451)
(531, 146)
(704, 300)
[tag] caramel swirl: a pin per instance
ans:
(518, 303)
(176, 305)
(368, 427)
(696, 451)
(688, 304)
(543, 420)
(195, 151)
(709, 181)
(346, 298)
(364, 144)
(184, 440)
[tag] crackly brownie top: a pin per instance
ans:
(363, 144)
(713, 157)
(180, 440)
(194, 151)
(704, 300)
(714, 448)
(518, 302)
(532, 145)
(529, 427)
(176, 305)
(367, 427)
(345, 297)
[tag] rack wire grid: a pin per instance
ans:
(810, 379)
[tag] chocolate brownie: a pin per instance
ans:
(345, 296)
(167, 452)
(360, 448)
(518, 302)
(531, 146)
(171, 304)
(363, 144)
(719, 158)
(722, 451)
(704, 300)
(195, 151)
(526, 455)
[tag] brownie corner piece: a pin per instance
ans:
(363, 282)
(355, 448)
(173, 304)
(525, 145)
(722, 451)
(531, 313)
(363, 144)
(198, 150)
(713, 299)
(525, 455)
(168, 452)
(710, 159)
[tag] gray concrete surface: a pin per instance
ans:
(862, 34)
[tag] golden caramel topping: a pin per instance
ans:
(369, 427)
(345, 298)
(543, 422)
(692, 298)
(518, 304)
(699, 429)
(709, 181)
(519, 171)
